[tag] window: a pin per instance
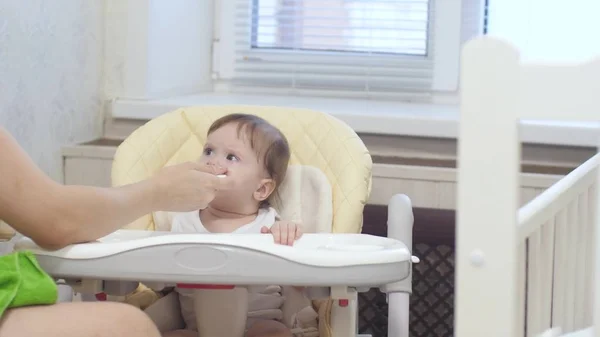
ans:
(383, 49)
(359, 26)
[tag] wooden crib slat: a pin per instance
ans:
(582, 262)
(539, 281)
(560, 265)
(571, 252)
(534, 293)
(591, 251)
(521, 284)
(547, 273)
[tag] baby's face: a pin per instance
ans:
(225, 149)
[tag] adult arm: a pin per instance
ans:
(55, 215)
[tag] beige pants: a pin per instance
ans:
(219, 312)
(166, 313)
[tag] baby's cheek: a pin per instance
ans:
(237, 171)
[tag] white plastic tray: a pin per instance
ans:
(315, 259)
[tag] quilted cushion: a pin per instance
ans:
(315, 138)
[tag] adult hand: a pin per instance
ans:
(187, 187)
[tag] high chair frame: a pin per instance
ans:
(343, 318)
(532, 271)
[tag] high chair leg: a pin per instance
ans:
(65, 292)
(344, 312)
(398, 304)
(400, 227)
(343, 318)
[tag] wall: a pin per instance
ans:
(51, 75)
(548, 30)
(157, 49)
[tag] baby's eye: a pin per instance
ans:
(208, 151)
(232, 157)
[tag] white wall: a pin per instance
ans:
(179, 58)
(548, 30)
(156, 49)
(51, 75)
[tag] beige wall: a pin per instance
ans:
(51, 75)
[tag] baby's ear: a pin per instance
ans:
(266, 187)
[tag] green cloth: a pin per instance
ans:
(23, 282)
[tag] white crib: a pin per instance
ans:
(530, 271)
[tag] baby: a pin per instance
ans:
(255, 156)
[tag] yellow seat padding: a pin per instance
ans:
(316, 139)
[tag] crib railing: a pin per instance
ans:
(556, 236)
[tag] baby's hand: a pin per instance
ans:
(284, 232)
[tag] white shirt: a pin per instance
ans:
(262, 303)
(189, 222)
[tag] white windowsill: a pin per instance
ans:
(374, 117)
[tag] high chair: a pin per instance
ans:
(327, 185)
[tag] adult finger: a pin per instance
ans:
(216, 169)
(213, 169)
(191, 165)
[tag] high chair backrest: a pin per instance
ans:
(315, 138)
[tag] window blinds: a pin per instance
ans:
(355, 48)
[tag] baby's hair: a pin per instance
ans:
(269, 144)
